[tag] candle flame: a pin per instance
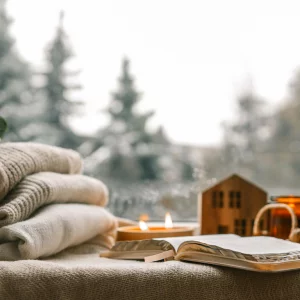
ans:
(168, 221)
(143, 225)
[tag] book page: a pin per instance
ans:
(259, 249)
(259, 253)
(208, 239)
(258, 245)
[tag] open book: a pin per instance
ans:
(260, 253)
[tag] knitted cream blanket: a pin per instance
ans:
(20, 159)
(43, 188)
(55, 228)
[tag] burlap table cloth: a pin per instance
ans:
(86, 276)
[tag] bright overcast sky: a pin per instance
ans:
(189, 57)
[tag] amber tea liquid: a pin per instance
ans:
(280, 219)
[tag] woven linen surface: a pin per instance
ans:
(86, 276)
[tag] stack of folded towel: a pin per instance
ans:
(46, 206)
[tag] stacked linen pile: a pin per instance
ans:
(46, 206)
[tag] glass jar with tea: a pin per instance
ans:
(280, 223)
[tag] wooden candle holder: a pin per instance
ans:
(129, 233)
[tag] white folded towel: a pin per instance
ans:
(56, 227)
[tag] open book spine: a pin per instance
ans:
(261, 258)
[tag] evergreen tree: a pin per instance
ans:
(160, 137)
(58, 107)
(244, 140)
(133, 152)
(15, 95)
(246, 137)
(3, 127)
(285, 141)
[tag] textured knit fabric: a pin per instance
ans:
(43, 188)
(20, 159)
(54, 228)
(88, 277)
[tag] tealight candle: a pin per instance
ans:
(145, 232)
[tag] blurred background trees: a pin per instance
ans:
(132, 152)
(244, 139)
(16, 98)
(143, 168)
(3, 127)
(283, 153)
(54, 93)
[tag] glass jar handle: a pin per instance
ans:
(256, 229)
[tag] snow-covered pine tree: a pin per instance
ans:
(15, 91)
(133, 153)
(59, 107)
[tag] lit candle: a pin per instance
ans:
(168, 221)
(145, 232)
(143, 225)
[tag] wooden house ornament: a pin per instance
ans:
(230, 206)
